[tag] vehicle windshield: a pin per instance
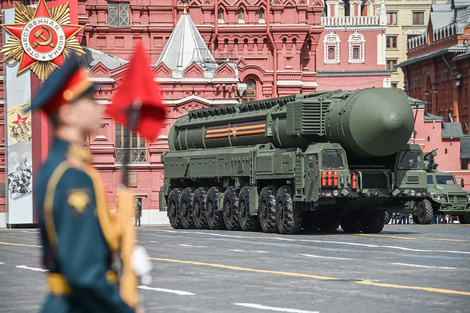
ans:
(430, 181)
(409, 160)
(445, 180)
(333, 159)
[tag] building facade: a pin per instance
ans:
(438, 72)
(438, 65)
(352, 46)
(432, 133)
(405, 20)
(234, 50)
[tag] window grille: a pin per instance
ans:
(129, 141)
(118, 13)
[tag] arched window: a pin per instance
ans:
(241, 15)
(356, 48)
(261, 15)
(248, 94)
(220, 15)
(331, 53)
(356, 53)
(129, 142)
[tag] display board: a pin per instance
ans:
(18, 143)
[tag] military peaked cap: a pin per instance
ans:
(63, 86)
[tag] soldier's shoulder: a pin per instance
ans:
(61, 175)
(48, 168)
(74, 176)
(74, 190)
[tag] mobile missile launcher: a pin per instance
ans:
(312, 161)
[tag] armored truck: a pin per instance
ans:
(302, 161)
(444, 196)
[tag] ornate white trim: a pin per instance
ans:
(241, 89)
(331, 40)
(357, 40)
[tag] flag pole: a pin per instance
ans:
(129, 279)
(139, 107)
(132, 122)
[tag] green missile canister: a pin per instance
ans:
(367, 123)
(371, 123)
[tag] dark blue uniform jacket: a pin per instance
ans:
(77, 243)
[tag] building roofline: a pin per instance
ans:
(345, 73)
(452, 49)
(462, 56)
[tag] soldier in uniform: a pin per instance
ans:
(81, 238)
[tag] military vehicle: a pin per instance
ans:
(302, 161)
(444, 196)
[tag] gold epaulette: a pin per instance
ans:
(78, 155)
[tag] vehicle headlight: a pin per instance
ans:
(468, 198)
(335, 193)
(412, 192)
(438, 197)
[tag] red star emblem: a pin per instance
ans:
(20, 120)
(42, 38)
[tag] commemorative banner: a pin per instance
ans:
(36, 41)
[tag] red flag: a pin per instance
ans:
(140, 91)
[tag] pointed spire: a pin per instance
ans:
(186, 46)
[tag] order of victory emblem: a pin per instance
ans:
(41, 38)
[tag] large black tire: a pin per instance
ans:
(351, 222)
(173, 208)
(464, 219)
(214, 217)
(425, 212)
(288, 219)
(230, 211)
(415, 219)
(373, 223)
(186, 207)
(267, 209)
(387, 217)
(247, 221)
(328, 222)
(199, 208)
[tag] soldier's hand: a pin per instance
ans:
(142, 265)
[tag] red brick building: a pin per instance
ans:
(352, 46)
(234, 50)
(438, 72)
(438, 65)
